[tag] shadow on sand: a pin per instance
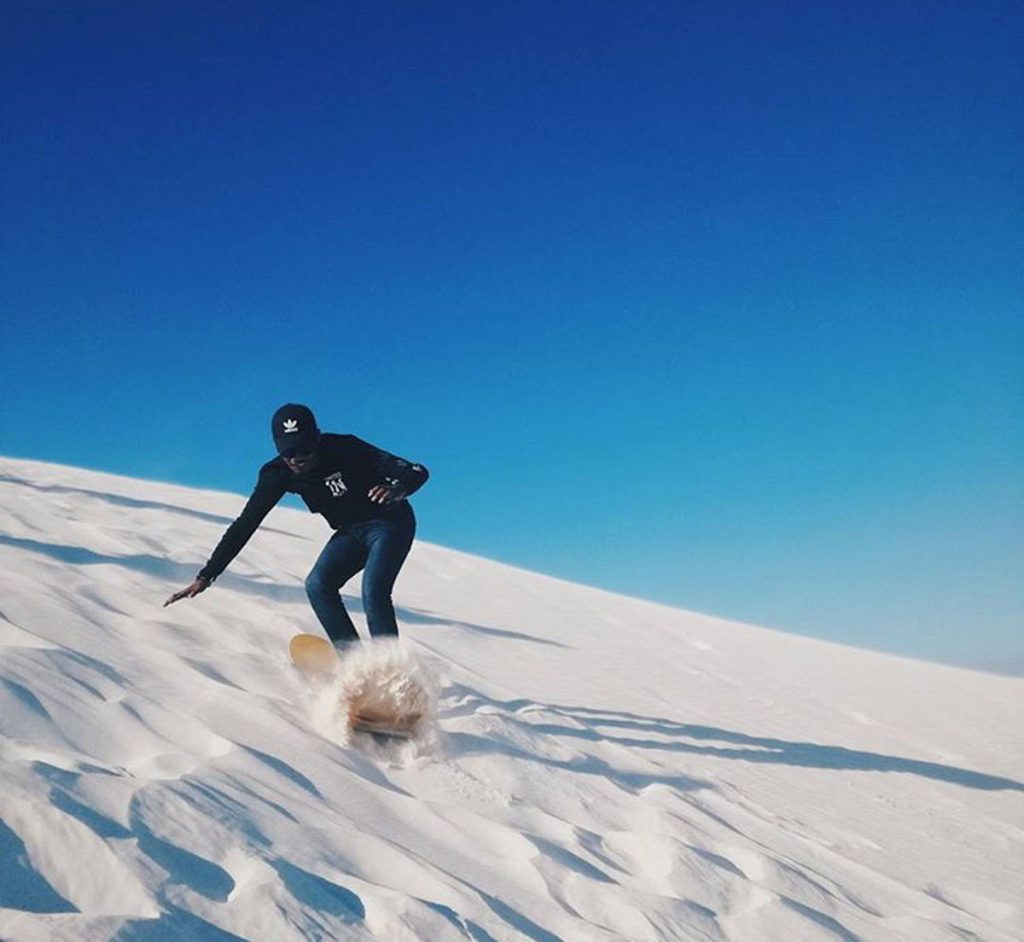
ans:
(643, 732)
(182, 573)
(133, 503)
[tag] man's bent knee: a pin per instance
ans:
(316, 587)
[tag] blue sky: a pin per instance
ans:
(714, 304)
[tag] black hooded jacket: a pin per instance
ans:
(347, 468)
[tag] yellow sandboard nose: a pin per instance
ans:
(312, 654)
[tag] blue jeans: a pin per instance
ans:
(377, 546)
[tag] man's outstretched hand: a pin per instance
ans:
(200, 585)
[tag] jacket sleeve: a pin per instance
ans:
(391, 469)
(268, 491)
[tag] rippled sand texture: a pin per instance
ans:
(600, 768)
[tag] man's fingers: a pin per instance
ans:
(385, 495)
(189, 592)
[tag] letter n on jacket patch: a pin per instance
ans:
(335, 484)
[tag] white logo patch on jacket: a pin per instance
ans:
(335, 484)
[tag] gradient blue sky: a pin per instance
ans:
(714, 304)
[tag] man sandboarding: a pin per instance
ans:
(361, 491)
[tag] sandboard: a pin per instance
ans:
(317, 658)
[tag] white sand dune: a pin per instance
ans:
(604, 769)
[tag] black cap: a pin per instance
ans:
(294, 429)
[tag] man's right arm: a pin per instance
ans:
(268, 491)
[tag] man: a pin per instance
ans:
(361, 491)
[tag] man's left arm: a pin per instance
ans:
(398, 477)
